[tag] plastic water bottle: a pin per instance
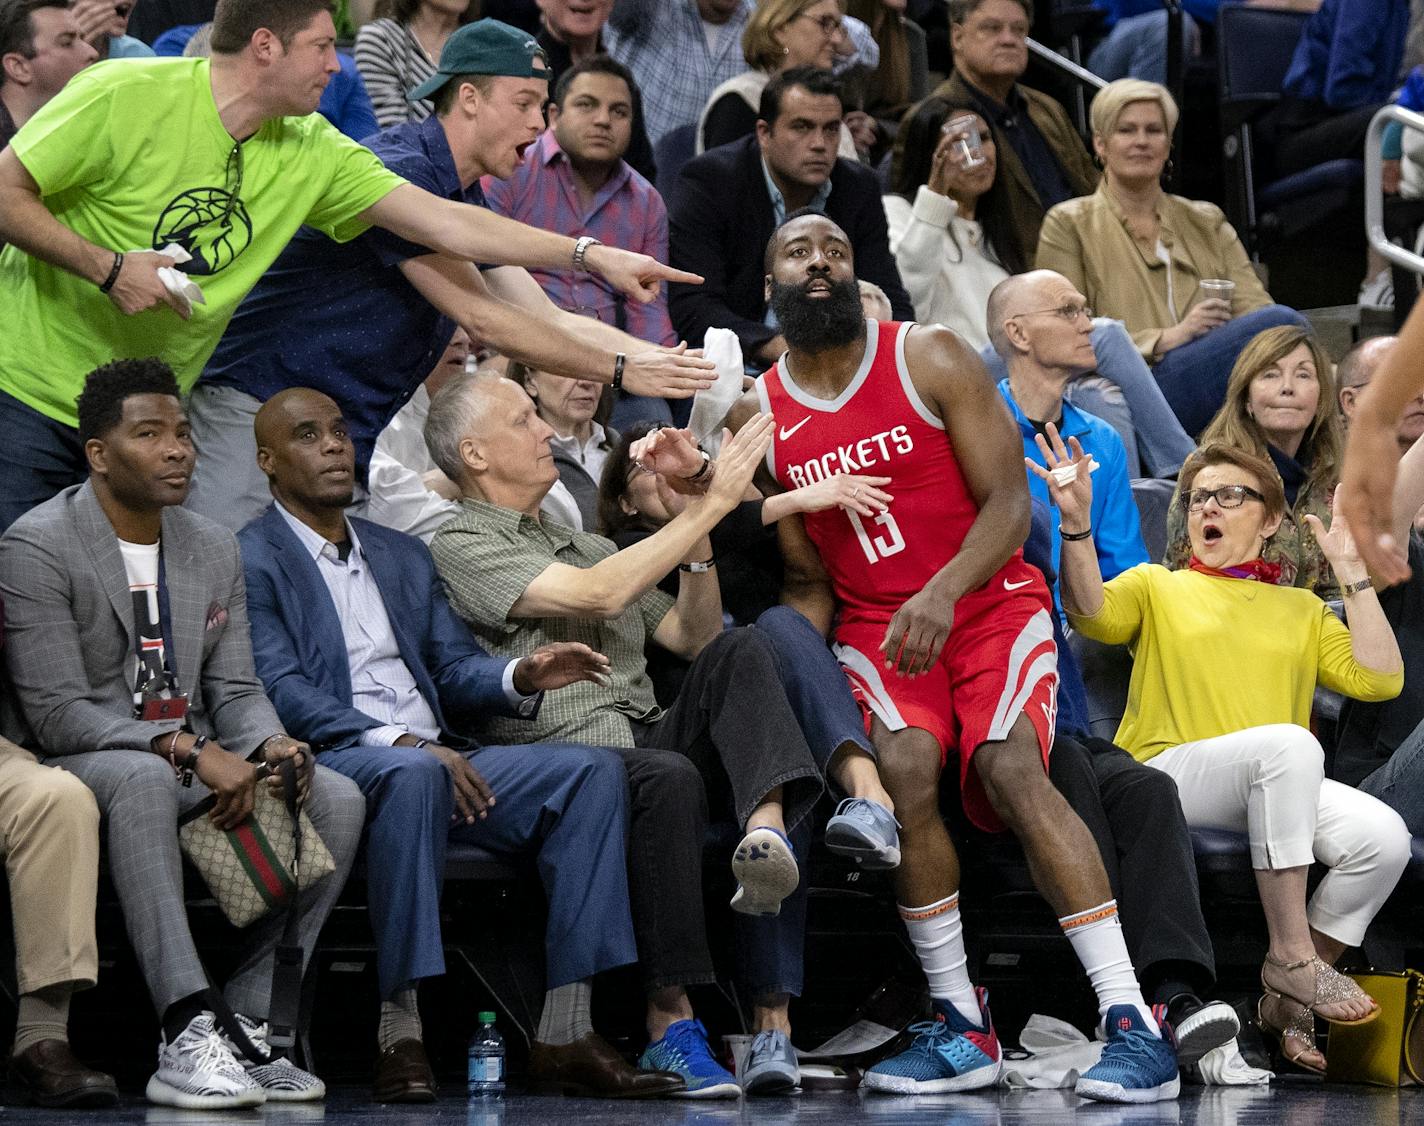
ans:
(486, 1072)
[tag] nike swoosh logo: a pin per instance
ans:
(1015, 586)
(787, 431)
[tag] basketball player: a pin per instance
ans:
(946, 636)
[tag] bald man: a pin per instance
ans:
(362, 655)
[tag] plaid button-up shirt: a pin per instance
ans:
(626, 212)
(488, 556)
(664, 44)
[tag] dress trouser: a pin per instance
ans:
(1136, 819)
(227, 485)
(564, 805)
(734, 722)
(49, 830)
(1269, 782)
(140, 801)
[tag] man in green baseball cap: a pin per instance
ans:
(485, 47)
(295, 329)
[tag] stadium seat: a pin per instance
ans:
(672, 150)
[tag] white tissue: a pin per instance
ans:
(1224, 1066)
(176, 281)
(710, 406)
(1065, 475)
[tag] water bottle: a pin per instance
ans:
(486, 1072)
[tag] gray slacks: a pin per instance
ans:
(139, 804)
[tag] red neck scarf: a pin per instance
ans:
(1257, 570)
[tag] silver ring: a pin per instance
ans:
(855, 493)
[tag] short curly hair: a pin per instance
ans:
(101, 403)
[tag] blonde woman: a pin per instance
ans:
(1280, 405)
(781, 35)
(1139, 255)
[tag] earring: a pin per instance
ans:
(1169, 169)
(786, 50)
(1098, 160)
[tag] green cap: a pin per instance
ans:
(485, 47)
(487, 1018)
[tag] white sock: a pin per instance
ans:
(938, 938)
(1096, 935)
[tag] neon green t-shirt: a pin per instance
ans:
(132, 155)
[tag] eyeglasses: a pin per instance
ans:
(1069, 313)
(991, 29)
(830, 26)
(1228, 496)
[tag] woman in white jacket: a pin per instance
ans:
(954, 243)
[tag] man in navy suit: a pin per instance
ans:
(364, 659)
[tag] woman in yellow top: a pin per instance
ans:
(1139, 255)
(1225, 664)
(1280, 405)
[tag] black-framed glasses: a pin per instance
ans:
(830, 26)
(1228, 496)
(1069, 313)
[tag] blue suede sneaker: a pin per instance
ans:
(766, 871)
(948, 1054)
(865, 831)
(1136, 1066)
(683, 1051)
(770, 1067)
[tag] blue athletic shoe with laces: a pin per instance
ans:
(948, 1054)
(1137, 1066)
(683, 1050)
(865, 831)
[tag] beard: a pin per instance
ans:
(814, 324)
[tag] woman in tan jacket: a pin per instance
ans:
(1139, 255)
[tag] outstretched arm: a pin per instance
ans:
(477, 234)
(1372, 454)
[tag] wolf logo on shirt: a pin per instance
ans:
(211, 224)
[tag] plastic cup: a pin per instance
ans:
(1221, 288)
(967, 145)
(738, 1046)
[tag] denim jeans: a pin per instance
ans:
(1193, 377)
(1143, 419)
(1399, 783)
(40, 458)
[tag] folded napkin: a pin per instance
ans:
(176, 281)
(710, 406)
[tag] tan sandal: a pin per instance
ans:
(1299, 1028)
(1331, 987)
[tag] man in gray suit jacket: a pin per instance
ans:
(128, 648)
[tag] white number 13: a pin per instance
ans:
(881, 546)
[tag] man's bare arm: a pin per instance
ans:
(956, 385)
(805, 586)
(27, 223)
(477, 234)
(508, 324)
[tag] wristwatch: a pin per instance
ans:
(1355, 587)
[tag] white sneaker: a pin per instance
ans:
(1378, 292)
(198, 1072)
(283, 1080)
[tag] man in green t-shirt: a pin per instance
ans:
(225, 159)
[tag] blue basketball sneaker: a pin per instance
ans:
(865, 831)
(948, 1054)
(683, 1051)
(1136, 1066)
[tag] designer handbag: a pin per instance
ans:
(251, 870)
(1389, 1051)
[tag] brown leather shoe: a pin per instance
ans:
(49, 1074)
(403, 1075)
(590, 1066)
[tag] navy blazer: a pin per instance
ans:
(719, 222)
(301, 652)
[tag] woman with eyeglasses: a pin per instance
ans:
(1280, 405)
(779, 36)
(1143, 256)
(1225, 664)
(953, 238)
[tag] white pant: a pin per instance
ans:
(1269, 782)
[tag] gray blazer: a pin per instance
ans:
(69, 631)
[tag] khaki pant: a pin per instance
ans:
(49, 832)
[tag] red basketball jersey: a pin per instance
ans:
(878, 426)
